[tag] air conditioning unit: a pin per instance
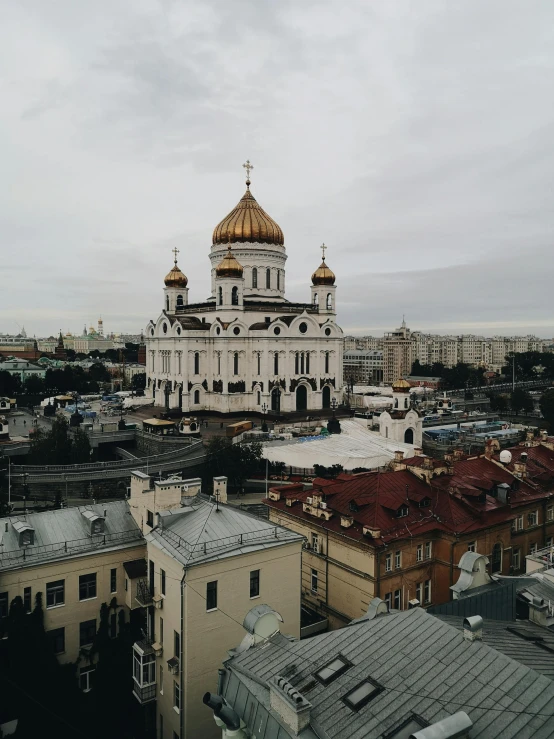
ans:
(173, 665)
(309, 500)
(307, 545)
(158, 601)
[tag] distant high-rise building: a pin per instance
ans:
(398, 353)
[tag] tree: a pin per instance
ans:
(10, 385)
(498, 402)
(236, 461)
(80, 447)
(58, 446)
(138, 381)
(99, 373)
(521, 400)
(328, 472)
(546, 404)
(34, 385)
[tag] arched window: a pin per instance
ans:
(278, 279)
(268, 278)
(254, 277)
(196, 397)
(296, 362)
(196, 363)
(326, 362)
(316, 299)
(259, 362)
(220, 294)
(179, 301)
(329, 301)
(307, 363)
(275, 364)
(259, 398)
(301, 363)
(235, 296)
(167, 302)
(236, 363)
(406, 402)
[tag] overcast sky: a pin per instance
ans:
(414, 138)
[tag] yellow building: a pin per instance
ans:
(208, 564)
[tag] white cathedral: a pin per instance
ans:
(246, 348)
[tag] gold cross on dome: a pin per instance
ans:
(175, 252)
(247, 166)
(323, 250)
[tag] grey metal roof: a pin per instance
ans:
(425, 667)
(66, 533)
(496, 600)
(523, 641)
(203, 531)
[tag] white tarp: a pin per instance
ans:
(354, 447)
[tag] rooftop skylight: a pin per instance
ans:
(332, 670)
(362, 694)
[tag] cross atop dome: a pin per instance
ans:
(175, 252)
(247, 166)
(323, 250)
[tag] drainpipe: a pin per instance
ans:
(378, 580)
(452, 561)
(182, 712)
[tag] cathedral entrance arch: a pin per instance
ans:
(409, 436)
(301, 398)
(276, 400)
(326, 397)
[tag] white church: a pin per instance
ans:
(246, 347)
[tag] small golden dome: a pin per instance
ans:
(175, 278)
(248, 223)
(323, 275)
(401, 386)
(229, 267)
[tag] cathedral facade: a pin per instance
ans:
(246, 348)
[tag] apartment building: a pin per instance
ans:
(208, 564)
(365, 343)
(75, 557)
(398, 354)
(362, 366)
(399, 535)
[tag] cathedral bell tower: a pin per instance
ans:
(229, 283)
(323, 287)
(176, 292)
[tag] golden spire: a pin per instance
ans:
(229, 266)
(323, 275)
(175, 278)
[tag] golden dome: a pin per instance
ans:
(229, 267)
(248, 223)
(323, 275)
(401, 386)
(175, 278)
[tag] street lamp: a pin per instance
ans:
(264, 411)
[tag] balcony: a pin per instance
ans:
(144, 693)
(144, 671)
(144, 594)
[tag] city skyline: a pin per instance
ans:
(415, 144)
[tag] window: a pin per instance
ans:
(162, 679)
(427, 591)
(268, 278)
(303, 327)
(113, 625)
(87, 586)
(254, 583)
(315, 543)
(278, 279)
(329, 303)
(388, 600)
(161, 630)
(533, 518)
(398, 599)
(427, 550)
(517, 523)
(397, 560)
(149, 519)
(176, 644)
(307, 363)
(275, 364)
(176, 695)
(113, 580)
(179, 301)
(196, 363)
(419, 555)
(57, 639)
(236, 363)
(211, 595)
(550, 513)
(235, 296)
(301, 363)
(87, 632)
(471, 546)
(55, 593)
(515, 559)
(332, 670)
(144, 668)
(27, 599)
(196, 397)
(259, 362)
(403, 511)
(254, 277)
(126, 585)
(533, 548)
(326, 363)
(408, 727)
(419, 592)
(388, 563)
(362, 694)
(162, 582)
(314, 581)
(296, 363)
(220, 296)
(86, 675)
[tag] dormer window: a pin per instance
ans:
(25, 533)
(96, 522)
(98, 526)
(403, 511)
(425, 503)
(353, 506)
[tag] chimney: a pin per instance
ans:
(520, 467)
(458, 454)
(489, 449)
(473, 628)
(538, 610)
(289, 704)
(456, 726)
(448, 458)
(220, 489)
(544, 434)
(398, 455)
(530, 435)
(428, 463)
(418, 451)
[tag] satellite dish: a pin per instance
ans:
(505, 456)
